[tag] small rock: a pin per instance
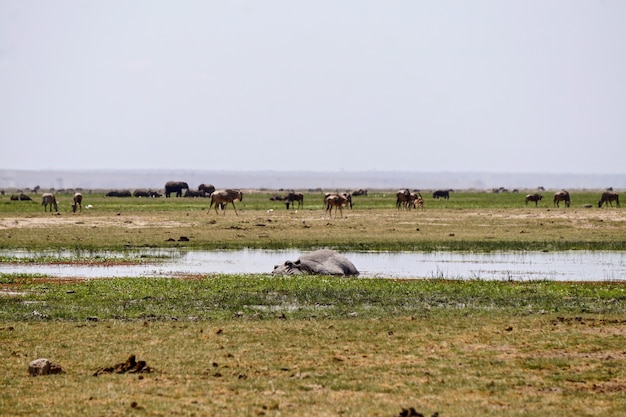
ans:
(43, 366)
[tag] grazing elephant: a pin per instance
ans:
(21, 197)
(142, 192)
(118, 193)
(319, 262)
(207, 188)
(175, 187)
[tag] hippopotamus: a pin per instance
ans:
(319, 262)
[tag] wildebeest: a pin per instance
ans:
(223, 197)
(338, 201)
(292, 197)
(442, 194)
(175, 187)
(562, 196)
(78, 202)
(48, 199)
(608, 197)
(360, 191)
(403, 198)
(121, 193)
(346, 196)
(534, 197)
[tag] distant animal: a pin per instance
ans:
(417, 201)
(175, 187)
(534, 197)
(562, 196)
(194, 193)
(20, 197)
(121, 193)
(223, 197)
(403, 197)
(142, 192)
(319, 262)
(48, 199)
(207, 188)
(608, 197)
(359, 192)
(346, 196)
(338, 201)
(292, 197)
(442, 194)
(78, 202)
(277, 197)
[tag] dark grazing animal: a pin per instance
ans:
(194, 193)
(20, 197)
(608, 197)
(207, 188)
(562, 196)
(78, 202)
(142, 192)
(292, 197)
(122, 193)
(223, 197)
(403, 197)
(48, 199)
(175, 187)
(534, 197)
(442, 194)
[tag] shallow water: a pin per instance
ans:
(558, 266)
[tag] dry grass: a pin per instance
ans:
(366, 229)
(452, 360)
(470, 366)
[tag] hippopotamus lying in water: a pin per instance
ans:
(319, 262)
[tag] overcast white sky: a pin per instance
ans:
(501, 86)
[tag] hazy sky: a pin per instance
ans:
(502, 86)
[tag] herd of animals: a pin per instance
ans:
(405, 199)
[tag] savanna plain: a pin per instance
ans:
(254, 345)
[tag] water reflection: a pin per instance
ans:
(560, 266)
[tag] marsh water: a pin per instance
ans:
(559, 266)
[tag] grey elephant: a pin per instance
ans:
(319, 262)
(175, 187)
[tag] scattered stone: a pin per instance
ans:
(44, 367)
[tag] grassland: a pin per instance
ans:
(466, 222)
(253, 345)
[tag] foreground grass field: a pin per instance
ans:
(263, 345)
(323, 346)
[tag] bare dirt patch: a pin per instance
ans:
(129, 222)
